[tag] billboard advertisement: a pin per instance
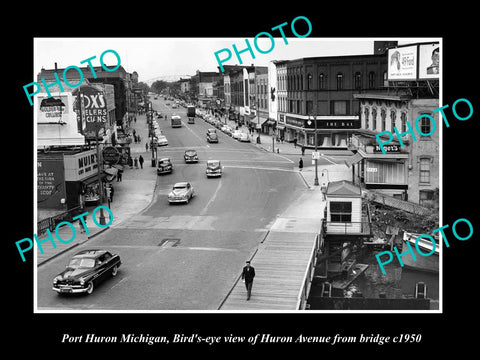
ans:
(50, 181)
(402, 63)
(429, 61)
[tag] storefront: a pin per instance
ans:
(385, 173)
(82, 178)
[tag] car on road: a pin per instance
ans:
(212, 136)
(162, 140)
(190, 156)
(85, 270)
(214, 168)
(244, 137)
(165, 166)
(181, 192)
(236, 134)
(174, 106)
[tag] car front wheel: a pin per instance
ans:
(90, 288)
(114, 270)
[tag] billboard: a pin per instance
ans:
(50, 181)
(402, 63)
(429, 61)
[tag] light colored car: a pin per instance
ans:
(236, 134)
(162, 140)
(181, 192)
(244, 137)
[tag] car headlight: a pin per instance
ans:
(55, 281)
(82, 282)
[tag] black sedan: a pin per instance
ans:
(85, 271)
(190, 156)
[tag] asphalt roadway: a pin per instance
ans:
(187, 256)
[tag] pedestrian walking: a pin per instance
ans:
(140, 160)
(248, 274)
(303, 150)
(135, 161)
(146, 146)
(110, 186)
(130, 162)
(300, 164)
(119, 175)
(295, 143)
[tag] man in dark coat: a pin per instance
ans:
(300, 164)
(140, 160)
(248, 274)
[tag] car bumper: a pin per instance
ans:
(214, 174)
(69, 289)
(164, 171)
(191, 160)
(173, 200)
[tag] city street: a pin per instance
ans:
(187, 256)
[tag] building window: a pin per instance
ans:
(425, 170)
(385, 79)
(321, 81)
(339, 81)
(383, 115)
(374, 118)
(358, 80)
(403, 118)
(309, 81)
(367, 116)
(371, 80)
(309, 104)
(340, 211)
(393, 117)
(426, 198)
(339, 107)
(425, 125)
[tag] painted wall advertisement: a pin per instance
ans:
(50, 182)
(402, 63)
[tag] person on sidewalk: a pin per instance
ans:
(300, 164)
(248, 274)
(140, 160)
(119, 175)
(135, 161)
(146, 146)
(111, 192)
(295, 143)
(303, 150)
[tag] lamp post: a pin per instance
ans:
(316, 158)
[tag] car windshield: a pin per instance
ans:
(164, 162)
(180, 186)
(190, 152)
(213, 163)
(79, 262)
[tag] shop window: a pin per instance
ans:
(425, 125)
(425, 170)
(340, 211)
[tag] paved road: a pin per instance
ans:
(187, 257)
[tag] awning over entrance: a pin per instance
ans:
(353, 159)
(281, 127)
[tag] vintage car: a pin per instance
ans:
(212, 135)
(85, 271)
(244, 137)
(181, 192)
(214, 168)
(190, 156)
(162, 140)
(164, 166)
(236, 134)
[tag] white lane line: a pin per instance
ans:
(325, 157)
(219, 185)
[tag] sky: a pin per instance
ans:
(154, 57)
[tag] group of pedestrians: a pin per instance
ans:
(135, 162)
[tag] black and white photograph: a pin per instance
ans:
(289, 165)
(250, 183)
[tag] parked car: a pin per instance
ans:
(236, 134)
(244, 137)
(212, 136)
(181, 192)
(214, 168)
(164, 166)
(162, 140)
(190, 156)
(85, 271)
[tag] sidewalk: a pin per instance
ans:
(131, 195)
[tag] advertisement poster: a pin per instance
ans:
(429, 61)
(294, 245)
(402, 63)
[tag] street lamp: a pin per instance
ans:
(316, 157)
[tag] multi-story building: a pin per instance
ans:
(317, 93)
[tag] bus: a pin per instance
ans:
(176, 121)
(191, 114)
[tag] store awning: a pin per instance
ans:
(111, 173)
(281, 127)
(353, 159)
